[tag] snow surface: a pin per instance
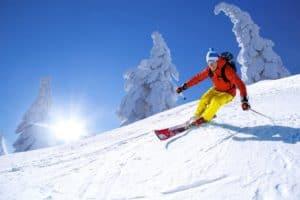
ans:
(240, 155)
(258, 60)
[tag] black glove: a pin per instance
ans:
(245, 104)
(181, 88)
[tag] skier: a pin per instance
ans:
(225, 80)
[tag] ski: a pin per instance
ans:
(164, 134)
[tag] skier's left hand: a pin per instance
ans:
(245, 104)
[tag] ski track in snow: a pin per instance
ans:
(193, 185)
(240, 154)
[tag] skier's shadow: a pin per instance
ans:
(264, 133)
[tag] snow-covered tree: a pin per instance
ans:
(33, 130)
(3, 149)
(257, 58)
(151, 86)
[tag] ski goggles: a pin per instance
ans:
(210, 62)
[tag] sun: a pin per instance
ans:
(70, 129)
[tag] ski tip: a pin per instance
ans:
(160, 135)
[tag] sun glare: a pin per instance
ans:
(70, 129)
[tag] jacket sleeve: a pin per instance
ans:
(198, 77)
(235, 79)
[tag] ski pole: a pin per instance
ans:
(181, 94)
(183, 97)
(261, 114)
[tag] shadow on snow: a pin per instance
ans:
(285, 134)
(264, 133)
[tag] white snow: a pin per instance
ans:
(150, 87)
(240, 155)
(257, 58)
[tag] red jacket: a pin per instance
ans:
(218, 82)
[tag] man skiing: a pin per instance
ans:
(225, 82)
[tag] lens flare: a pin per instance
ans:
(70, 129)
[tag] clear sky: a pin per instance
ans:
(87, 45)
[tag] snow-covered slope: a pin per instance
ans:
(240, 155)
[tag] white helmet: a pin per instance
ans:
(211, 55)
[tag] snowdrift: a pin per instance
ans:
(240, 155)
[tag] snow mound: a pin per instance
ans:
(257, 57)
(240, 155)
(150, 88)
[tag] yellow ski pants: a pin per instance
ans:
(211, 102)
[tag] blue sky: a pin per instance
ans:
(86, 46)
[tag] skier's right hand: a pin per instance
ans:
(181, 88)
